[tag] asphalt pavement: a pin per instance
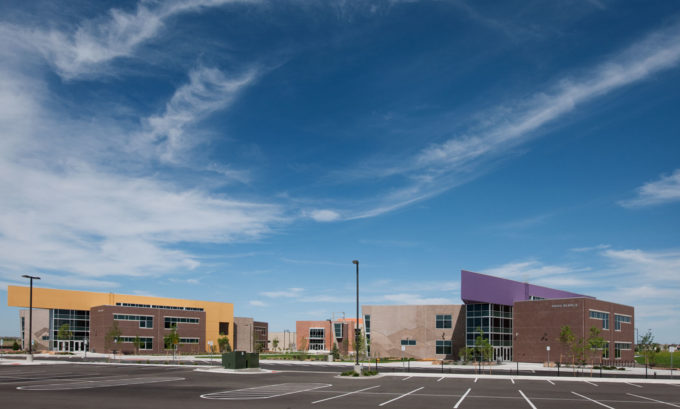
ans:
(104, 386)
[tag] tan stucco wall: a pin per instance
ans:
(41, 327)
(392, 323)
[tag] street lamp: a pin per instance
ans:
(357, 369)
(30, 317)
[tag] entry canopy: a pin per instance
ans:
(481, 288)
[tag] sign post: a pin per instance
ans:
(671, 350)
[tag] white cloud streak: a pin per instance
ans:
(207, 91)
(440, 167)
(118, 34)
(290, 293)
(664, 190)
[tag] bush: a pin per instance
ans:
(16, 346)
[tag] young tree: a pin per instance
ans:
(303, 344)
(566, 339)
(172, 340)
(335, 351)
(137, 342)
(466, 353)
(275, 343)
(595, 346)
(223, 342)
(112, 336)
(360, 347)
(483, 348)
(648, 348)
(64, 333)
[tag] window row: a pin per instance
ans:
(408, 342)
(160, 307)
(443, 347)
(144, 342)
(188, 340)
(443, 321)
(316, 333)
(618, 319)
(145, 321)
(599, 315)
(619, 346)
(173, 321)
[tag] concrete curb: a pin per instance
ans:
(535, 378)
(249, 371)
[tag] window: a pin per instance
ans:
(599, 315)
(443, 321)
(408, 342)
(534, 298)
(146, 343)
(145, 321)
(188, 340)
(337, 327)
(618, 319)
(172, 321)
(316, 333)
(160, 307)
(443, 347)
(618, 347)
(605, 352)
(367, 320)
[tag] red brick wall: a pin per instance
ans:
(537, 324)
(101, 321)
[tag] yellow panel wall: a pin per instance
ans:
(215, 312)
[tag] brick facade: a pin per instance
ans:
(537, 325)
(102, 320)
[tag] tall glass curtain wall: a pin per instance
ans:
(78, 324)
(495, 321)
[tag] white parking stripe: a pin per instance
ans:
(551, 382)
(654, 400)
(476, 380)
(637, 386)
(592, 400)
(401, 396)
(594, 384)
(512, 380)
(461, 398)
(97, 384)
(527, 399)
(408, 377)
(265, 392)
(345, 394)
(439, 380)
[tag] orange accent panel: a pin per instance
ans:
(47, 298)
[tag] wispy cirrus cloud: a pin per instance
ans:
(294, 292)
(96, 42)
(416, 299)
(655, 266)
(68, 207)
(208, 90)
(664, 190)
(442, 166)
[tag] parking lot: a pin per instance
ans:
(116, 386)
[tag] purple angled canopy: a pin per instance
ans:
(482, 288)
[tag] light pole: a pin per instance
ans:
(357, 369)
(30, 317)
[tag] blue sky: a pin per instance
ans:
(248, 151)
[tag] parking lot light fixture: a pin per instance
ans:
(356, 328)
(30, 317)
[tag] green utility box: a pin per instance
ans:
(240, 360)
